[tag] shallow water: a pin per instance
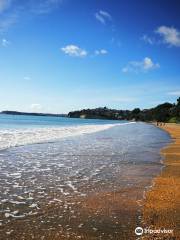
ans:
(79, 187)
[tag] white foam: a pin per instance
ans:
(18, 137)
(69, 183)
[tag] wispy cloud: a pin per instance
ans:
(5, 42)
(140, 66)
(148, 39)
(174, 93)
(74, 51)
(44, 6)
(100, 52)
(11, 10)
(7, 21)
(4, 4)
(103, 16)
(170, 35)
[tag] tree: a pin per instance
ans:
(178, 101)
(136, 111)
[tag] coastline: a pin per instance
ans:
(161, 210)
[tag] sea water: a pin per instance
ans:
(18, 130)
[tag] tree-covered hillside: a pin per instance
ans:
(165, 112)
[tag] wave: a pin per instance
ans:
(17, 137)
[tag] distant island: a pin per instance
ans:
(166, 112)
(33, 114)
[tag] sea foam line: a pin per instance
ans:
(17, 137)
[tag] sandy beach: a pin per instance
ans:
(162, 206)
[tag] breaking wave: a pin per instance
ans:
(17, 137)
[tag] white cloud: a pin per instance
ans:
(174, 93)
(140, 66)
(170, 35)
(74, 51)
(101, 52)
(36, 107)
(4, 42)
(103, 16)
(148, 64)
(4, 4)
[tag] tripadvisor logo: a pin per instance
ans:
(139, 231)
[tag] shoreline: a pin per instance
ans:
(161, 210)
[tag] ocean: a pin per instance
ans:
(18, 130)
(75, 178)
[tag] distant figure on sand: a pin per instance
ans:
(160, 123)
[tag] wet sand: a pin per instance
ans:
(162, 204)
(102, 211)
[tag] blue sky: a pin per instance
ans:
(63, 55)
